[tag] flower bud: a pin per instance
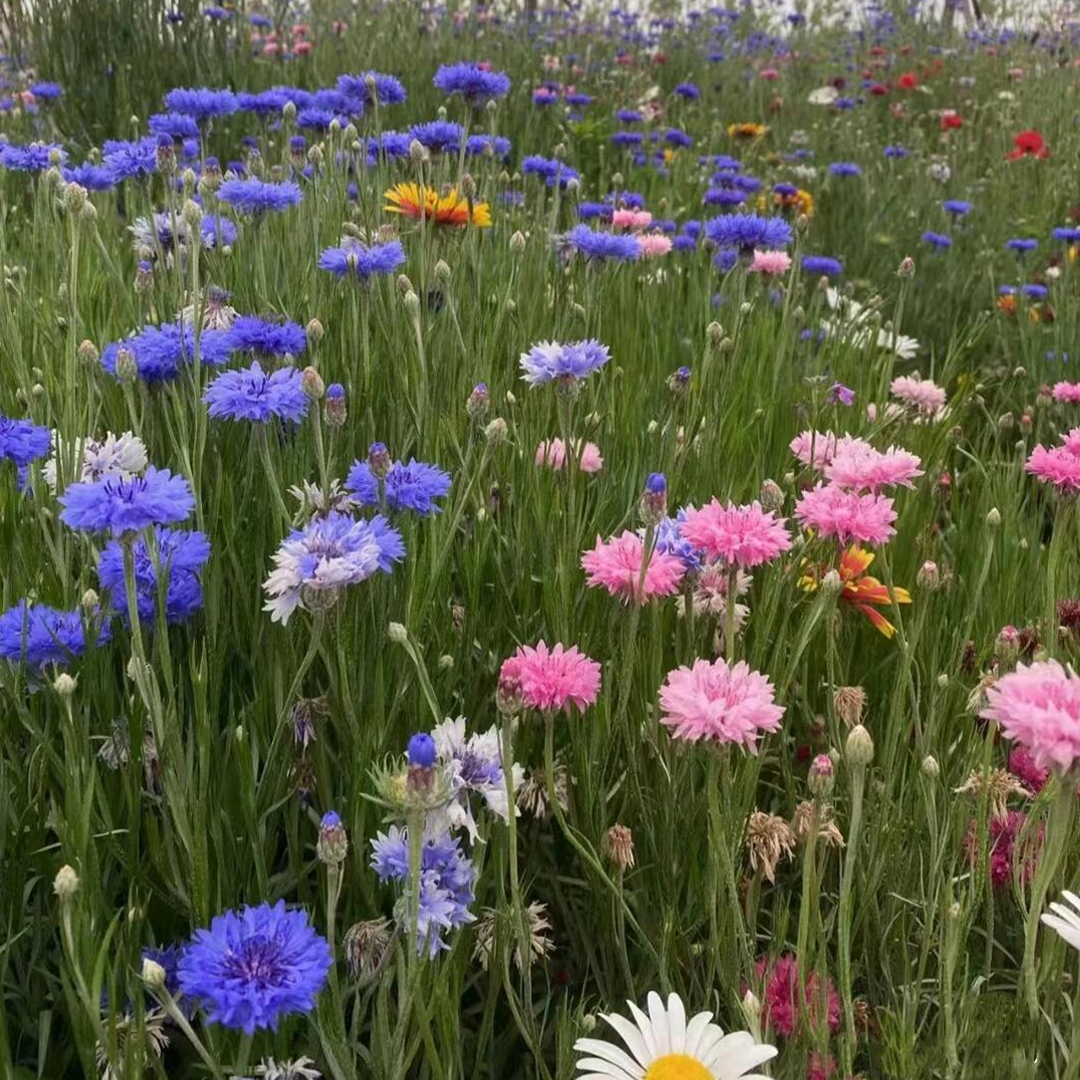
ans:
(442, 271)
(379, 460)
(153, 974)
(619, 847)
(993, 519)
(929, 576)
(412, 303)
(496, 432)
(771, 496)
(930, 767)
(127, 370)
(821, 777)
(397, 633)
(832, 584)
(1008, 645)
(66, 882)
(859, 748)
(653, 507)
(64, 684)
(333, 843)
(906, 269)
(334, 409)
(312, 384)
(314, 331)
(88, 352)
(517, 242)
(90, 602)
(476, 405)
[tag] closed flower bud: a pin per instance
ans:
(397, 633)
(751, 1009)
(311, 382)
(517, 242)
(192, 214)
(74, 198)
(127, 370)
(333, 843)
(653, 508)
(715, 333)
(573, 186)
(442, 271)
(90, 602)
(66, 882)
(1007, 645)
(88, 352)
(771, 496)
(619, 847)
(314, 331)
(906, 269)
(478, 401)
(288, 110)
(367, 948)
(64, 684)
(859, 748)
(496, 431)
(404, 284)
(334, 409)
(379, 461)
(993, 519)
(153, 974)
(831, 584)
(930, 767)
(511, 400)
(929, 576)
(446, 662)
(821, 777)
(412, 303)
(417, 152)
(468, 186)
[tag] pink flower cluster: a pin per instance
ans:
(616, 565)
(771, 262)
(846, 515)
(1058, 465)
(1066, 391)
(922, 396)
(652, 245)
(631, 219)
(550, 680)
(859, 467)
(780, 1006)
(552, 453)
(744, 536)
(1038, 705)
(816, 448)
(1004, 852)
(1022, 766)
(718, 702)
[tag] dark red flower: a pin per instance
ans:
(950, 120)
(1028, 144)
(908, 81)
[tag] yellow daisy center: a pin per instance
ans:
(677, 1067)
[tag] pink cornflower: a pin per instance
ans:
(922, 395)
(862, 468)
(616, 565)
(631, 219)
(552, 452)
(820, 1066)
(1057, 465)
(1071, 442)
(551, 679)
(1022, 766)
(1004, 833)
(1066, 391)
(846, 515)
(815, 448)
(780, 1007)
(771, 262)
(769, 74)
(1038, 706)
(744, 536)
(654, 245)
(721, 703)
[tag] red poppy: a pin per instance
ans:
(879, 89)
(877, 50)
(908, 81)
(950, 120)
(1028, 144)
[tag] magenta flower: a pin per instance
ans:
(1038, 705)
(744, 536)
(1058, 465)
(1066, 391)
(831, 511)
(718, 702)
(780, 1006)
(859, 467)
(549, 680)
(923, 396)
(616, 565)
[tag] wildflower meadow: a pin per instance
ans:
(539, 542)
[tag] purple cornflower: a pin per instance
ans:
(353, 259)
(1068, 233)
(255, 966)
(472, 82)
(263, 337)
(124, 505)
(161, 351)
(90, 176)
(414, 487)
(1021, 245)
(937, 240)
(839, 394)
(957, 207)
(748, 231)
(550, 170)
(688, 91)
(33, 158)
(257, 197)
(439, 136)
(174, 125)
(844, 168)
(388, 90)
(549, 360)
(202, 103)
(36, 635)
(670, 541)
(603, 246)
(822, 265)
(22, 441)
(130, 160)
(253, 395)
(46, 91)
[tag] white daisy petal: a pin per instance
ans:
(601, 1067)
(632, 1036)
(734, 1063)
(658, 1016)
(1067, 930)
(615, 1055)
(647, 1033)
(676, 1024)
(695, 1030)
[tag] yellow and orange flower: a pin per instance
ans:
(747, 131)
(861, 591)
(419, 201)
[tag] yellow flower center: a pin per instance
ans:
(677, 1067)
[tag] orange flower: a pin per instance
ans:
(418, 201)
(747, 131)
(1006, 303)
(865, 593)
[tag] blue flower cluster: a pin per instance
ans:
(472, 82)
(600, 247)
(550, 170)
(22, 441)
(353, 259)
(257, 197)
(201, 103)
(414, 487)
(266, 337)
(748, 231)
(253, 395)
(161, 351)
(551, 360)
(124, 505)
(388, 90)
(36, 634)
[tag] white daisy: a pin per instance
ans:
(1065, 921)
(664, 1045)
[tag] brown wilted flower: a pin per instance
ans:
(619, 847)
(865, 1017)
(494, 925)
(827, 830)
(768, 840)
(367, 948)
(532, 795)
(976, 701)
(849, 702)
(1001, 784)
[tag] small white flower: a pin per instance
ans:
(823, 95)
(115, 455)
(1065, 921)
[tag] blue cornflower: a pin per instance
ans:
(255, 966)
(125, 160)
(628, 116)
(257, 197)
(46, 91)
(253, 395)
(329, 553)
(1020, 245)
(36, 634)
(1036, 292)
(160, 351)
(748, 231)
(1069, 234)
(749, 184)
(822, 264)
(724, 196)
(785, 190)
(497, 145)
(670, 541)
(267, 102)
(127, 504)
(202, 103)
(603, 246)
(353, 259)
(725, 260)
(388, 90)
(956, 207)
(260, 21)
(22, 441)
(217, 231)
(550, 360)
(688, 91)
(589, 210)
(33, 158)
(684, 242)
(393, 144)
(421, 751)
(263, 337)
(315, 119)
(629, 200)
(895, 152)
(550, 170)
(446, 883)
(578, 100)
(414, 487)
(181, 555)
(627, 138)
(439, 136)
(471, 82)
(216, 13)
(845, 168)
(938, 240)
(677, 138)
(90, 176)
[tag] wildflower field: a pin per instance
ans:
(538, 544)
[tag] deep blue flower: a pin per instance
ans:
(550, 170)
(33, 158)
(724, 260)
(670, 541)
(1036, 292)
(550, 360)
(603, 246)
(123, 505)
(201, 102)
(785, 190)
(271, 102)
(578, 100)
(161, 351)
(22, 441)
(627, 138)
(628, 116)
(684, 242)
(217, 231)
(126, 160)
(1021, 245)
(90, 176)
(748, 231)
(446, 883)
(471, 82)
(253, 395)
(37, 634)
(388, 90)
(938, 240)
(421, 751)
(845, 168)
(46, 91)
(255, 966)
(724, 196)
(263, 337)
(677, 138)
(315, 119)
(589, 210)
(354, 259)
(822, 264)
(181, 555)
(477, 145)
(895, 152)
(439, 136)
(414, 487)
(258, 196)
(392, 144)
(956, 207)
(260, 21)
(1069, 234)
(688, 91)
